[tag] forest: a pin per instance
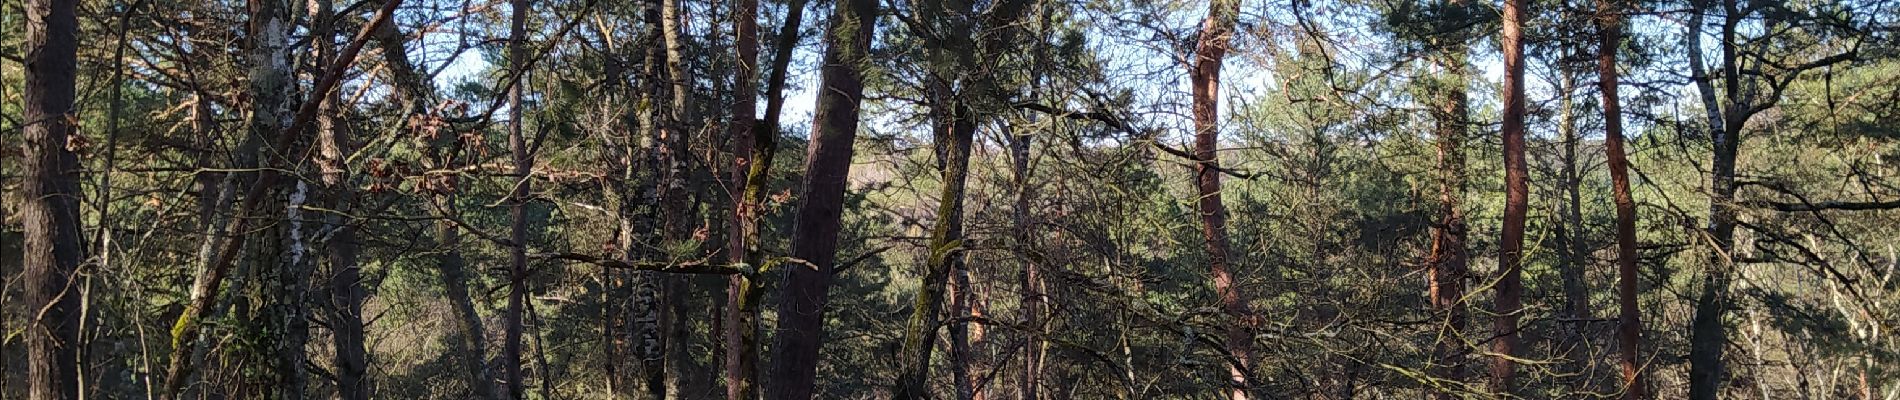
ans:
(949, 199)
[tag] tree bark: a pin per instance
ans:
(815, 231)
(739, 342)
(644, 303)
(466, 334)
(1629, 325)
(1450, 252)
(1216, 33)
(1510, 287)
(946, 253)
(185, 331)
(340, 251)
(49, 209)
(745, 291)
(1034, 295)
(1576, 259)
(517, 208)
(676, 201)
(1708, 334)
(270, 84)
(959, 92)
(754, 146)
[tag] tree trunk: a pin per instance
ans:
(962, 299)
(49, 209)
(946, 252)
(957, 87)
(754, 145)
(517, 208)
(644, 303)
(204, 291)
(270, 84)
(676, 201)
(815, 232)
(1033, 294)
(1708, 334)
(1629, 325)
(1216, 33)
(346, 291)
(1450, 252)
(1030, 284)
(738, 341)
(1510, 287)
(465, 335)
(1576, 258)
(743, 304)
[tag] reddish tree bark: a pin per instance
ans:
(1216, 33)
(1629, 325)
(1510, 286)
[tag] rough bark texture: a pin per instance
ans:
(1450, 251)
(1575, 258)
(953, 126)
(1034, 295)
(679, 207)
(49, 209)
(1629, 324)
(1510, 287)
(1216, 32)
(960, 90)
(643, 313)
(815, 232)
(466, 332)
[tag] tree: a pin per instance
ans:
(517, 202)
(645, 304)
(801, 306)
(1755, 72)
(1450, 251)
(740, 342)
(185, 332)
(271, 81)
(1510, 287)
(50, 208)
(465, 332)
(1629, 324)
(753, 154)
(262, 215)
(334, 144)
(1216, 33)
(676, 191)
(962, 95)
